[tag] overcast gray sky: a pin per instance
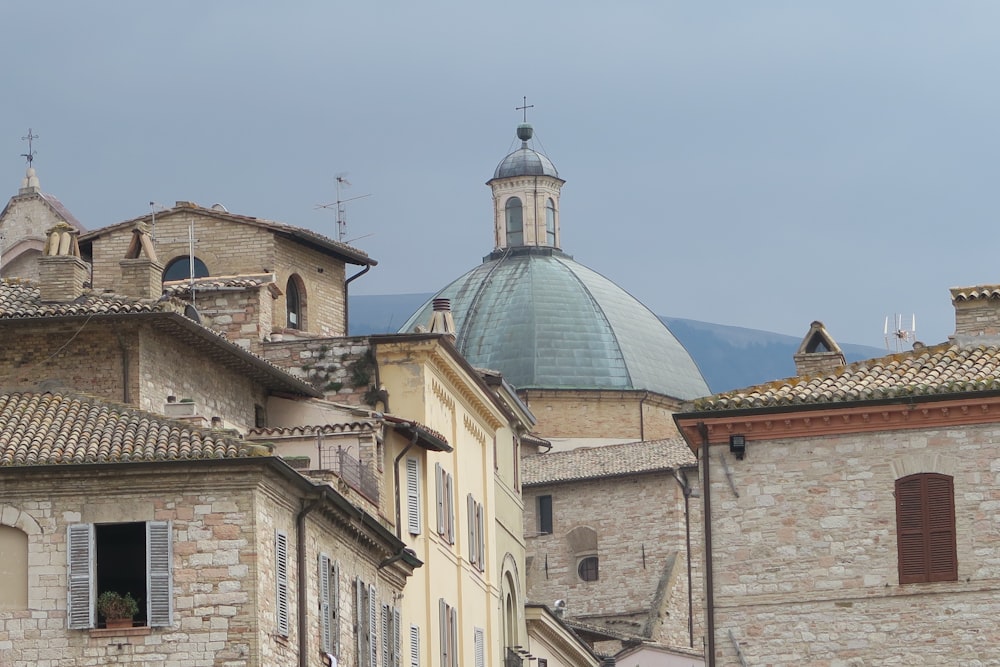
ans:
(761, 164)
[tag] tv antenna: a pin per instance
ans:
(342, 182)
(898, 336)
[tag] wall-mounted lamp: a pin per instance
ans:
(738, 445)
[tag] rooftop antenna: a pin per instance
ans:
(30, 155)
(153, 208)
(339, 204)
(898, 337)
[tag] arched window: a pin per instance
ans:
(515, 222)
(550, 223)
(587, 568)
(295, 303)
(179, 268)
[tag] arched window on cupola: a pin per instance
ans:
(515, 222)
(179, 268)
(550, 223)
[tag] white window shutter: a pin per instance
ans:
(479, 640)
(414, 646)
(413, 495)
(281, 577)
(470, 506)
(396, 646)
(373, 618)
(453, 636)
(335, 608)
(326, 642)
(443, 623)
(451, 508)
(439, 490)
(80, 558)
(159, 585)
(385, 635)
(361, 620)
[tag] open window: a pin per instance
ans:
(128, 558)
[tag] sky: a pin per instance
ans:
(759, 164)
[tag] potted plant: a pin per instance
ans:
(117, 609)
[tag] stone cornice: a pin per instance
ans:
(837, 420)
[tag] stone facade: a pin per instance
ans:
(623, 415)
(222, 568)
(642, 588)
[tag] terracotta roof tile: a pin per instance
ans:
(943, 369)
(607, 461)
(20, 299)
(47, 428)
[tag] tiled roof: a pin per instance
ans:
(46, 428)
(349, 253)
(20, 299)
(943, 369)
(300, 431)
(182, 287)
(607, 461)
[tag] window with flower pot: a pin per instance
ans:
(131, 558)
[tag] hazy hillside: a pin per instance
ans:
(729, 357)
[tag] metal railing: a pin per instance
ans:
(358, 475)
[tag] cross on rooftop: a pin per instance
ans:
(30, 155)
(524, 108)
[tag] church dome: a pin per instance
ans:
(546, 321)
(525, 161)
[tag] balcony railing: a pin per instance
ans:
(358, 475)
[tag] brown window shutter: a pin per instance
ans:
(925, 528)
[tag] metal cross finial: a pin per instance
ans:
(30, 155)
(525, 106)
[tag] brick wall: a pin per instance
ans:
(601, 414)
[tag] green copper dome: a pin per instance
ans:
(548, 322)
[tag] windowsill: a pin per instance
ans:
(121, 632)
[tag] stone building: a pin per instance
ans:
(849, 512)
(597, 368)
(24, 224)
(596, 549)
(229, 551)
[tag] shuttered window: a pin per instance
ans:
(281, 580)
(329, 605)
(145, 573)
(445, 503)
(477, 536)
(413, 496)
(479, 644)
(364, 623)
(925, 528)
(414, 646)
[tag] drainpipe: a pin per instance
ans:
(368, 267)
(687, 538)
(709, 586)
(395, 476)
(300, 552)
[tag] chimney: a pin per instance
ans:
(977, 310)
(818, 354)
(442, 320)
(61, 272)
(142, 274)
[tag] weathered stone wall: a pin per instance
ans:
(600, 414)
(639, 521)
(323, 277)
(805, 558)
(342, 368)
(23, 228)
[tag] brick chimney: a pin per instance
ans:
(977, 310)
(442, 321)
(818, 354)
(61, 272)
(142, 274)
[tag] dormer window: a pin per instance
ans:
(515, 222)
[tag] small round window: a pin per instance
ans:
(587, 568)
